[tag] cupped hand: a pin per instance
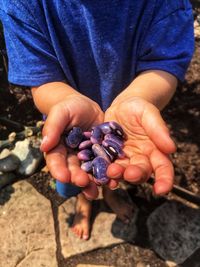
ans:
(147, 147)
(63, 164)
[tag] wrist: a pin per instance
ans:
(137, 94)
(48, 95)
(155, 87)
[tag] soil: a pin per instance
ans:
(182, 116)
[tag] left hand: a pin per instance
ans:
(147, 146)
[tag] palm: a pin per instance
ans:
(81, 111)
(63, 163)
(147, 142)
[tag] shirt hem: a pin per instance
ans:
(34, 81)
(178, 73)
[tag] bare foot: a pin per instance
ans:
(81, 223)
(119, 206)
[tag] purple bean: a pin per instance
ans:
(111, 127)
(114, 138)
(100, 166)
(105, 128)
(74, 137)
(85, 144)
(113, 148)
(85, 155)
(116, 128)
(98, 150)
(110, 155)
(96, 135)
(87, 166)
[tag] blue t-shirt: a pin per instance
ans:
(96, 46)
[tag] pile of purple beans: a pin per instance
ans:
(97, 148)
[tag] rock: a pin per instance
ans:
(106, 229)
(4, 153)
(5, 194)
(89, 265)
(196, 29)
(27, 234)
(140, 264)
(171, 264)
(9, 163)
(6, 179)
(174, 231)
(29, 154)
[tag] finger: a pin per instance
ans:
(164, 172)
(78, 176)
(91, 191)
(139, 169)
(115, 171)
(113, 184)
(54, 126)
(56, 163)
(157, 130)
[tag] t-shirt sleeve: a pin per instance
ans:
(31, 57)
(168, 44)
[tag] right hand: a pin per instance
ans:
(147, 147)
(63, 164)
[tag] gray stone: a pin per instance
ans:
(89, 265)
(27, 234)
(106, 229)
(29, 154)
(174, 231)
(4, 153)
(6, 179)
(9, 163)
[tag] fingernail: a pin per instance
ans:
(44, 141)
(85, 237)
(114, 188)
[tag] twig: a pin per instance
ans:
(182, 192)
(10, 123)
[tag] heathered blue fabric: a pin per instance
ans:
(97, 46)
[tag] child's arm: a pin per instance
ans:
(148, 142)
(156, 87)
(65, 108)
(49, 94)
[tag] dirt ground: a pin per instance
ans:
(183, 117)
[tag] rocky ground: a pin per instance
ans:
(27, 244)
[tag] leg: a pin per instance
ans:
(81, 223)
(119, 206)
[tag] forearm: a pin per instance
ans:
(157, 87)
(49, 94)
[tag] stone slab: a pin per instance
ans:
(27, 234)
(174, 231)
(89, 265)
(106, 229)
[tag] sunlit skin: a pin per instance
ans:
(147, 146)
(148, 143)
(62, 163)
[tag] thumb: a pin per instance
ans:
(54, 126)
(157, 130)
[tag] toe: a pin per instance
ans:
(85, 235)
(80, 232)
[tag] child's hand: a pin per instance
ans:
(147, 147)
(75, 110)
